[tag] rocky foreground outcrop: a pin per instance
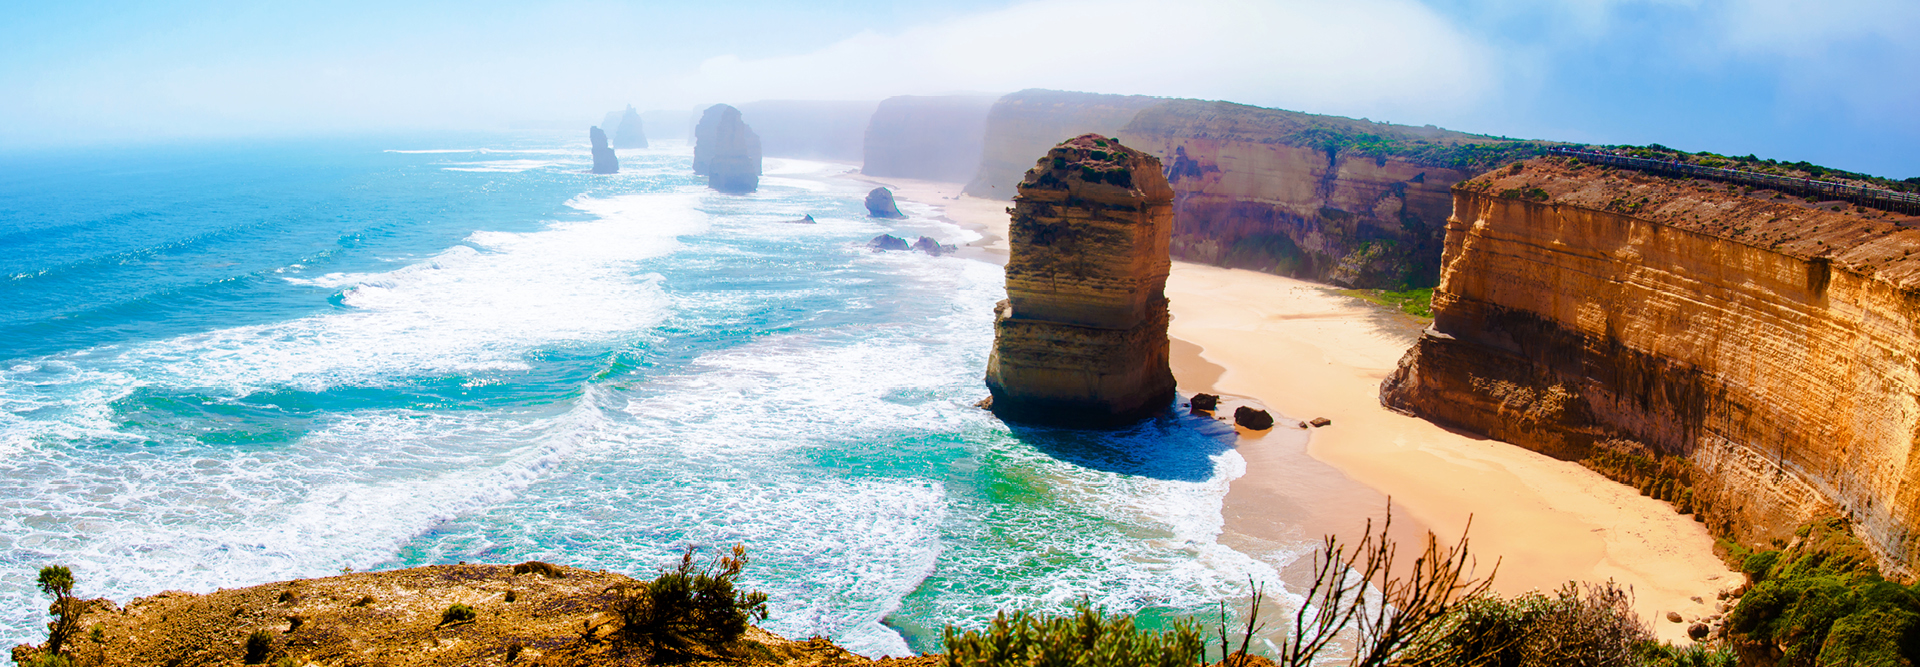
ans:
(1082, 336)
(935, 138)
(726, 151)
(530, 614)
(631, 132)
(1767, 342)
(604, 161)
(1325, 198)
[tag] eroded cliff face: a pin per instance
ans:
(1027, 123)
(1326, 198)
(1082, 336)
(832, 130)
(935, 138)
(726, 151)
(1769, 341)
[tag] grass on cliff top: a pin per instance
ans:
(1753, 163)
(1415, 302)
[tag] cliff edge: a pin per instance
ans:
(1082, 336)
(1753, 351)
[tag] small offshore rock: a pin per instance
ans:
(1248, 417)
(604, 161)
(880, 204)
(1698, 631)
(803, 221)
(1673, 617)
(932, 247)
(1318, 422)
(1204, 404)
(887, 242)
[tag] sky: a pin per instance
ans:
(1834, 82)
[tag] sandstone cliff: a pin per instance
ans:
(1326, 198)
(829, 130)
(933, 138)
(1027, 123)
(1770, 342)
(604, 161)
(541, 615)
(726, 151)
(631, 133)
(1082, 336)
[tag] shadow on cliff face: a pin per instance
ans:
(1171, 446)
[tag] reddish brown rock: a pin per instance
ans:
(1082, 336)
(1769, 341)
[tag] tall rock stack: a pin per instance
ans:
(726, 151)
(604, 161)
(1082, 338)
(630, 133)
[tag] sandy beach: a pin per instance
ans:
(1305, 351)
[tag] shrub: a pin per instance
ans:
(688, 609)
(259, 644)
(1592, 624)
(57, 582)
(1085, 637)
(1821, 601)
(458, 613)
(47, 660)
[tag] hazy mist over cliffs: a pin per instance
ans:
(1818, 81)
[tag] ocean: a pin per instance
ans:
(225, 364)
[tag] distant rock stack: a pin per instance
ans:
(1082, 338)
(880, 204)
(604, 161)
(630, 134)
(726, 151)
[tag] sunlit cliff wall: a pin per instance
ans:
(1769, 341)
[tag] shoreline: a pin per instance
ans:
(1303, 351)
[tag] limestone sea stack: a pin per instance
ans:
(1082, 338)
(631, 132)
(604, 161)
(726, 151)
(880, 204)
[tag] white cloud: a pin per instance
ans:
(1362, 57)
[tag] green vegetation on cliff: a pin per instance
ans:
(1821, 602)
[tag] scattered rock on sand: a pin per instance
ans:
(1698, 631)
(1204, 404)
(1673, 617)
(880, 204)
(1248, 417)
(887, 242)
(1321, 421)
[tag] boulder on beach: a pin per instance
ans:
(1202, 404)
(1321, 421)
(1250, 418)
(604, 162)
(880, 204)
(887, 242)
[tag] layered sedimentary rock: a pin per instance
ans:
(1027, 123)
(726, 151)
(604, 161)
(935, 138)
(831, 130)
(880, 204)
(1770, 341)
(1082, 336)
(1352, 202)
(631, 133)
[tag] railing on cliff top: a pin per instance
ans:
(1903, 202)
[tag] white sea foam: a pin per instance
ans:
(503, 166)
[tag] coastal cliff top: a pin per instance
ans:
(1863, 240)
(1428, 146)
(1099, 169)
(528, 614)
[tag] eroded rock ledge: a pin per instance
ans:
(1082, 336)
(1768, 340)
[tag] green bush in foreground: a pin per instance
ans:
(1821, 601)
(1087, 638)
(688, 610)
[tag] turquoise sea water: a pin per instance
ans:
(223, 365)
